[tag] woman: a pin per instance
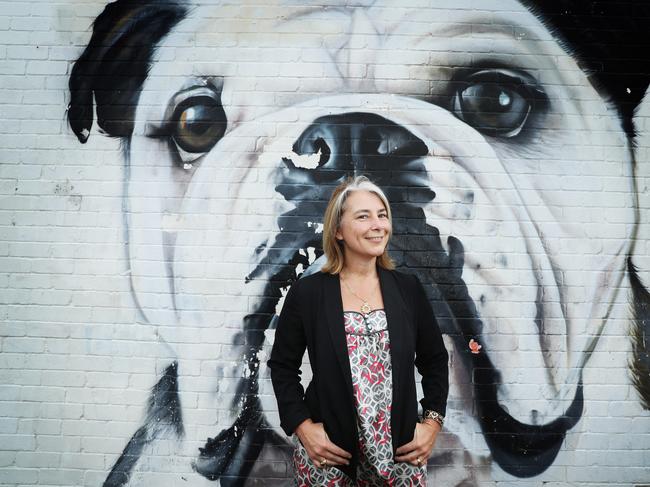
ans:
(364, 326)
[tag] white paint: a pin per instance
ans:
(280, 150)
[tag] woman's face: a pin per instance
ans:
(364, 227)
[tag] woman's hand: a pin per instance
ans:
(318, 445)
(418, 450)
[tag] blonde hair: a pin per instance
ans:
(331, 221)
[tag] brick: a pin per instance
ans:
(16, 476)
(37, 460)
(60, 411)
(12, 360)
(14, 38)
(63, 378)
(10, 392)
(8, 425)
(23, 345)
(27, 52)
(39, 426)
(61, 444)
(42, 394)
(102, 445)
(30, 23)
(12, 67)
(20, 376)
(12, 409)
(60, 476)
(82, 461)
(17, 442)
(7, 458)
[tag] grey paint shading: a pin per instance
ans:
(163, 413)
(111, 72)
(640, 361)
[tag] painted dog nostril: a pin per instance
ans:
(360, 141)
(320, 145)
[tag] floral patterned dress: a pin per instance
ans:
(369, 353)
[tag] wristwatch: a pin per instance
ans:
(434, 415)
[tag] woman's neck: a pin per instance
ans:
(360, 268)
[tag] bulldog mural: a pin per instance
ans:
(510, 168)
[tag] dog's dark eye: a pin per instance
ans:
(496, 102)
(199, 123)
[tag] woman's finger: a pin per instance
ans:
(328, 461)
(419, 459)
(337, 451)
(407, 456)
(415, 457)
(405, 449)
(330, 454)
(336, 460)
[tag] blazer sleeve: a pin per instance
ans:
(431, 357)
(286, 358)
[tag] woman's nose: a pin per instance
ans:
(378, 222)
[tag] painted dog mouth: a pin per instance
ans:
(520, 449)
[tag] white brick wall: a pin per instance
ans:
(78, 357)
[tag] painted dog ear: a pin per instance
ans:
(115, 64)
(639, 264)
(641, 147)
(610, 43)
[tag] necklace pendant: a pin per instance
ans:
(365, 308)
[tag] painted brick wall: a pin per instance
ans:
(162, 182)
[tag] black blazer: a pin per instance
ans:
(312, 318)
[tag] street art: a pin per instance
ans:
(493, 132)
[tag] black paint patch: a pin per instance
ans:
(115, 64)
(640, 362)
(163, 413)
(230, 456)
(611, 43)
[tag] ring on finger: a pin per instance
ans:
(419, 460)
(323, 462)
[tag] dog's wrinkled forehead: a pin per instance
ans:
(271, 57)
(355, 31)
(341, 40)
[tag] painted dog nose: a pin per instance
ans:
(355, 143)
(360, 142)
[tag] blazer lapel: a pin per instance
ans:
(334, 313)
(395, 316)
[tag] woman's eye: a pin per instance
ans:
(497, 102)
(199, 122)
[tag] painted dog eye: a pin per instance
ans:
(199, 122)
(497, 102)
(195, 121)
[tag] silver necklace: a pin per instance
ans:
(365, 305)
